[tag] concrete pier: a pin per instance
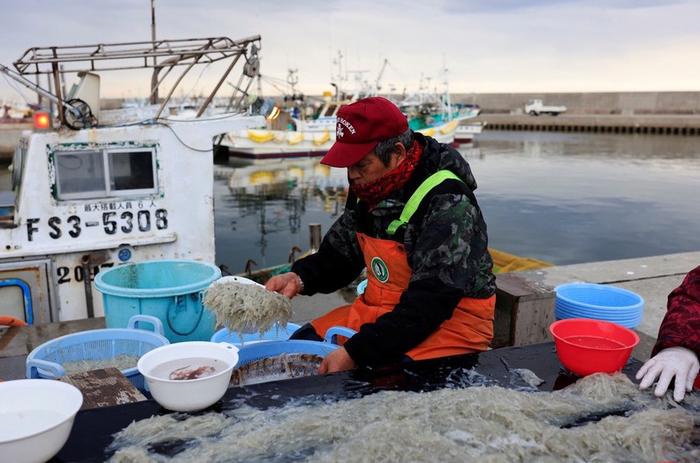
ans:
(653, 278)
(525, 300)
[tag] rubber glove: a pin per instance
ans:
(672, 361)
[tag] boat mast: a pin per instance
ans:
(154, 76)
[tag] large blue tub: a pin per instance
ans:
(170, 290)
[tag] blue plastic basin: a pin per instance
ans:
(47, 360)
(600, 302)
(260, 350)
(170, 290)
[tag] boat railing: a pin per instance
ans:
(163, 56)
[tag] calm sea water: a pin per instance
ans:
(564, 198)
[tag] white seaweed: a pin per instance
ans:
(240, 307)
(485, 424)
(528, 377)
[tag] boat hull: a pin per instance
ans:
(276, 144)
(467, 132)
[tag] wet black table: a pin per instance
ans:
(93, 429)
(18, 341)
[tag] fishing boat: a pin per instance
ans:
(93, 188)
(433, 114)
(308, 137)
(295, 129)
(465, 133)
(251, 144)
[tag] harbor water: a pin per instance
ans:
(562, 197)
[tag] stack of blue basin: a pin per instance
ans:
(600, 302)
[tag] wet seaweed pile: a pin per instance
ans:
(247, 307)
(600, 418)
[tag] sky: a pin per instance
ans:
(487, 46)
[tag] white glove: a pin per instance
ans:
(673, 361)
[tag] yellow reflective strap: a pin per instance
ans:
(417, 197)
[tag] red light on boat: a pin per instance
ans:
(42, 120)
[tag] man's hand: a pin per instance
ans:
(338, 360)
(288, 284)
(673, 361)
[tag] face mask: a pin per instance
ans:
(373, 192)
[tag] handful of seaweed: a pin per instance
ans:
(247, 307)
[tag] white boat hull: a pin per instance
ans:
(465, 133)
(267, 144)
(443, 133)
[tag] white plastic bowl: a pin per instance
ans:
(36, 417)
(191, 394)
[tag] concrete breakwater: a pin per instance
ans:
(635, 124)
(656, 113)
(590, 103)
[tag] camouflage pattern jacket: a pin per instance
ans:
(681, 325)
(446, 245)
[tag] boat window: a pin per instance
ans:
(131, 170)
(80, 172)
(105, 173)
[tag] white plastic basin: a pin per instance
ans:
(189, 394)
(36, 417)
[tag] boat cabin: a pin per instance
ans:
(104, 188)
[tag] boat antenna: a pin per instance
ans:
(153, 23)
(293, 79)
(378, 81)
(448, 102)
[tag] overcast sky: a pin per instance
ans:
(487, 45)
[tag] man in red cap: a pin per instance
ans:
(413, 222)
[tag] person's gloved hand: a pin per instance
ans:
(673, 361)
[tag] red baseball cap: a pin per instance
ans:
(360, 126)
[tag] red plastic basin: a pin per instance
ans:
(586, 346)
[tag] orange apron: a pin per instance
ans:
(470, 329)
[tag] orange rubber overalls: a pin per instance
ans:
(470, 329)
